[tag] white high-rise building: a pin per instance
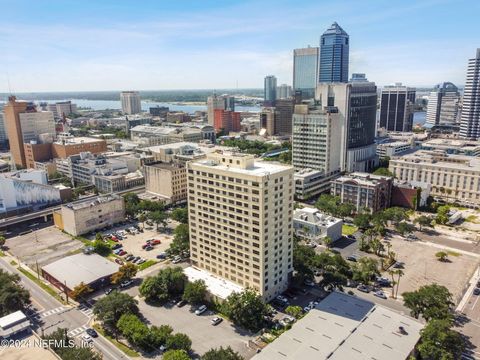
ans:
(131, 103)
(240, 216)
(470, 121)
(443, 105)
(317, 139)
(37, 126)
(284, 91)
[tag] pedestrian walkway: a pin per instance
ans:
(85, 310)
(52, 312)
(77, 331)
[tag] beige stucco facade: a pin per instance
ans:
(240, 215)
(167, 181)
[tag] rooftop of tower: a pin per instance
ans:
(335, 29)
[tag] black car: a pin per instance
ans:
(476, 291)
(91, 332)
(116, 246)
(352, 258)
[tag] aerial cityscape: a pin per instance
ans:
(195, 181)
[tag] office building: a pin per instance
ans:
(393, 148)
(316, 139)
(62, 109)
(3, 132)
(470, 120)
(226, 121)
(356, 103)
(180, 152)
(240, 216)
(159, 135)
(443, 105)
(396, 108)
(222, 102)
(365, 191)
(344, 327)
(453, 146)
(131, 103)
(277, 120)
(269, 90)
(166, 181)
(310, 183)
(305, 71)
(311, 224)
(454, 178)
(159, 111)
(284, 91)
(334, 52)
(86, 215)
(25, 124)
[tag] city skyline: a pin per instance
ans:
(164, 46)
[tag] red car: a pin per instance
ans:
(145, 245)
(119, 262)
(114, 239)
(155, 242)
(122, 252)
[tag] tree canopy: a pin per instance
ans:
(222, 353)
(181, 240)
(432, 302)
(125, 272)
(167, 283)
(65, 347)
(383, 172)
(332, 205)
(180, 215)
(195, 292)
(110, 308)
(246, 309)
(175, 355)
(439, 341)
(13, 296)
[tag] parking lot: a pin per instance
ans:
(44, 246)
(203, 334)
(132, 243)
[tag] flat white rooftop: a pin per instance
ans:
(216, 285)
(346, 327)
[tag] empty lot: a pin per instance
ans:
(423, 268)
(44, 246)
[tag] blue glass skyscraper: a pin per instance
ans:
(334, 44)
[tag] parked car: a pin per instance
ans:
(380, 294)
(352, 258)
(121, 252)
(149, 248)
(119, 262)
(108, 291)
(141, 261)
(216, 320)
(129, 257)
(352, 237)
(399, 265)
(144, 246)
(156, 242)
(126, 283)
(476, 291)
(176, 260)
(135, 259)
(200, 310)
(363, 288)
(162, 256)
(181, 303)
(91, 332)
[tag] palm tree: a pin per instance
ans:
(391, 273)
(327, 241)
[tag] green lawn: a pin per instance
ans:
(146, 264)
(122, 347)
(348, 229)
(472, 219)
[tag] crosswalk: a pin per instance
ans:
(51, 312)
(85, 310)
(77, 331)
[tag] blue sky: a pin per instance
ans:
(61, 45)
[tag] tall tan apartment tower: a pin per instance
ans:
(240, 215)
(12, 111)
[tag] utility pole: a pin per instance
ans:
(65, 290)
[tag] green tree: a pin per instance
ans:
(180, 215)
(404, 228)
(13, 296)
(134, 330)
(442, 256)
(383, 172)
(395, 215)
(168, 282)
(181, 240)
(101, 248)
(2, 241)
(175, 355)
(131, 203)
(125, 272)
(142, 218)
(363, 221)
(98, 237)
(442, 214)
(327, 241)
(80, 291)
(295, 311)
(439, 341)
(158, 217)
(179, 341)
(365, 270)
(429, 301)
(65, 347)
(423, 221)
(335, 270)
(246, 309)
(303, 260)
(108, 309)
(159, 334)
(154, 290)
(222, 353)
(195, 291)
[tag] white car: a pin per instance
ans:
(380, 294)
(201, 310)
(87, 338)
